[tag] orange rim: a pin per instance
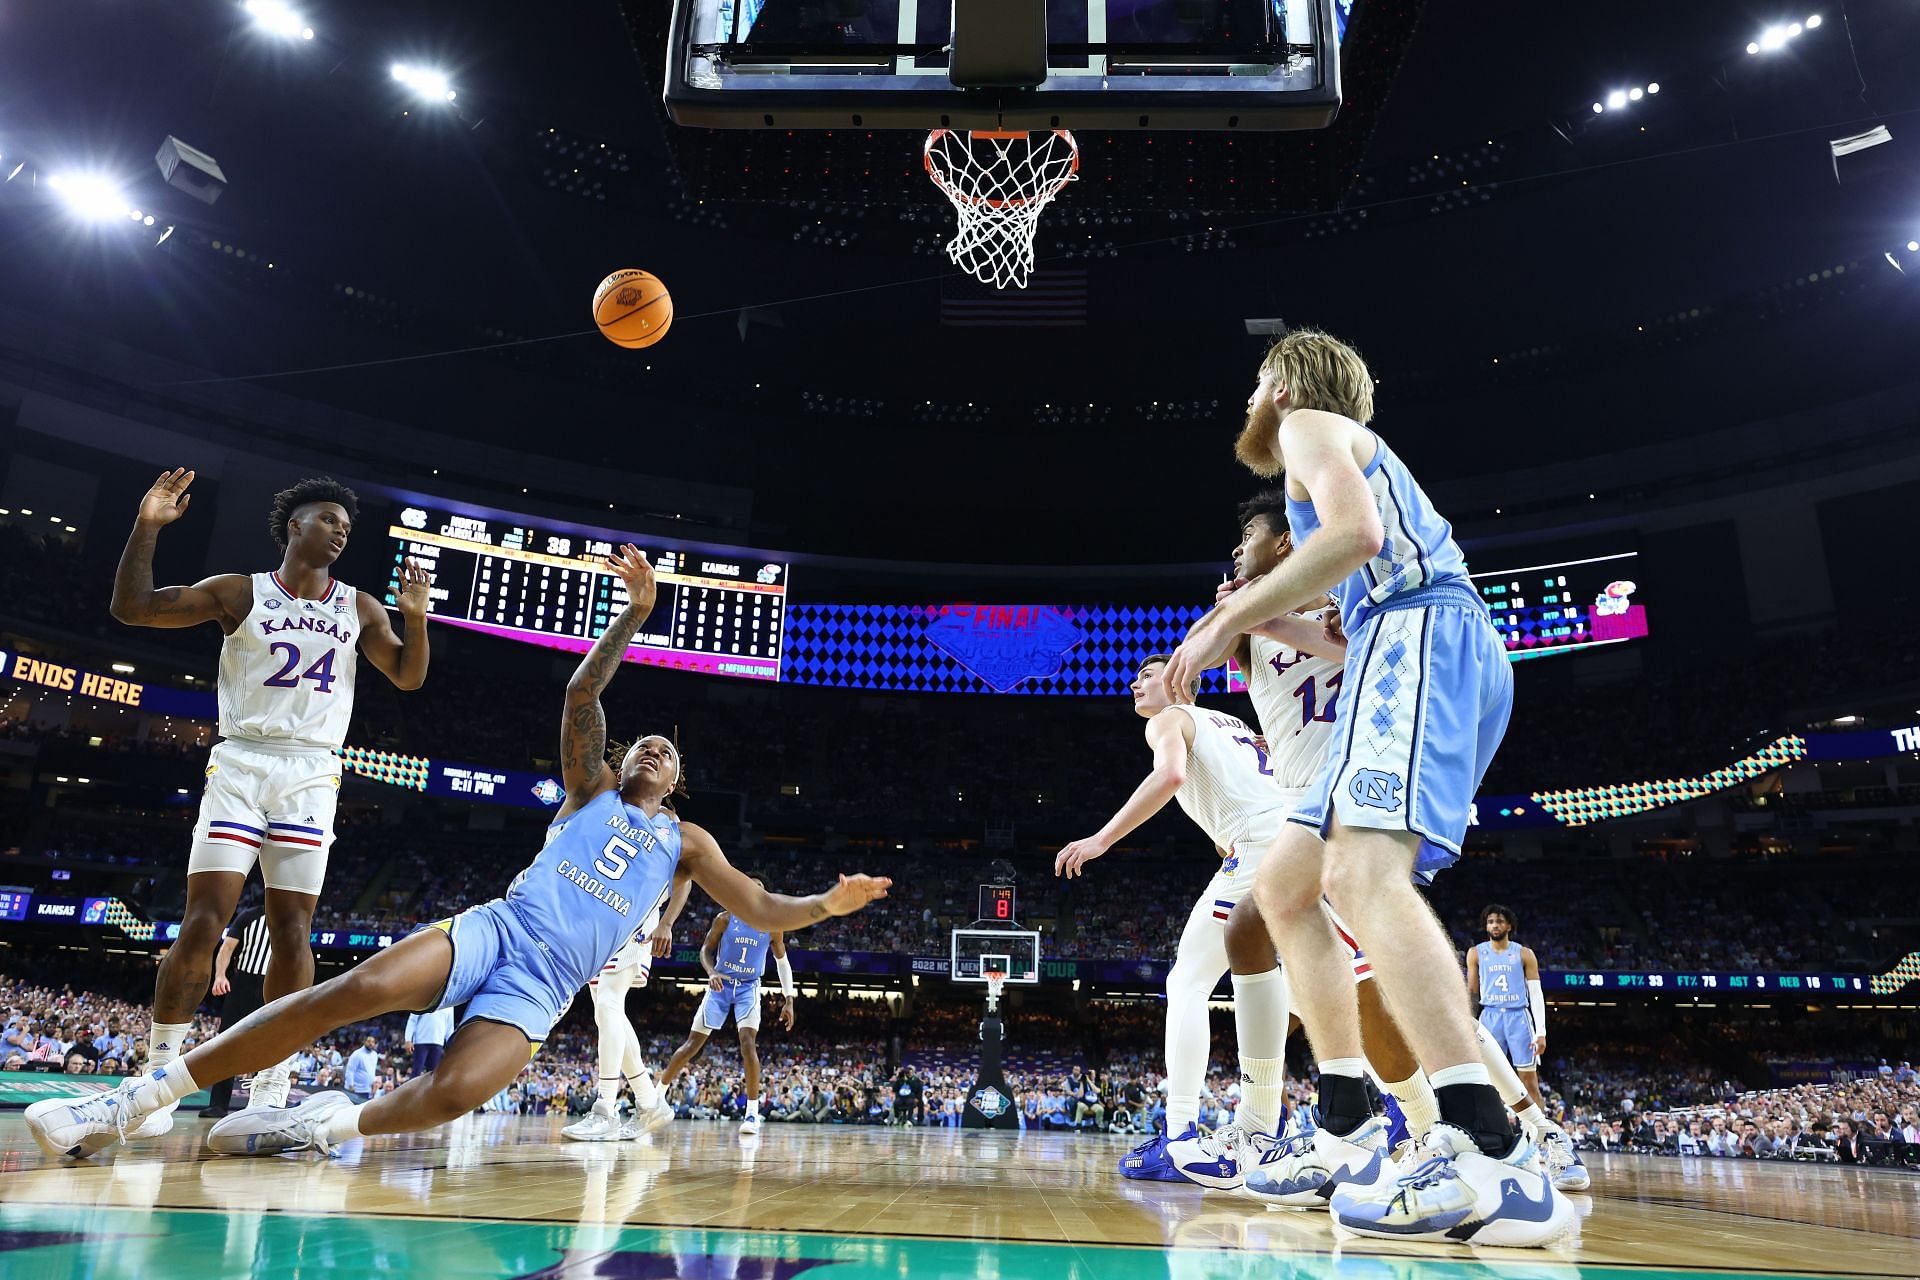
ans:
(960, 197)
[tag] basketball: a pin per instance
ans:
(633, 308)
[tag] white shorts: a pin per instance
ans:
(270, 806)
(631, 965)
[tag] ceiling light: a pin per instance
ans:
(279, 18)
(1654, 87)
(1813, 22)
(1913, 246)
(89, 195)
(1634, 95)
(1598, 108)
(124, 668)
(425, 81)
(1617, 99)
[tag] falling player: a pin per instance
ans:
(511, 965)
(619, 1044)
(735, 958)
(1427, 694)
(287, 671)
(1214, 765)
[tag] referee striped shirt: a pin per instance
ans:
(252, 952)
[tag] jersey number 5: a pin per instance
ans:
(614, 859)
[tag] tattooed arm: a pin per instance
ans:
(583, 722)
(748, 902)
(225, 599)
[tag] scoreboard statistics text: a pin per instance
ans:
(1564, 606)
(720, 613)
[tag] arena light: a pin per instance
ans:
(1775, 37)
(89, 195)
(429, 84)
(277, 17)
(1618, 99)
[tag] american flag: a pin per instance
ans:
(1054, 296)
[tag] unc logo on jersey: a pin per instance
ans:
(1376, 789)
(990, 1102)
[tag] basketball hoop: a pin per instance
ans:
(999, 183)
(996, 979)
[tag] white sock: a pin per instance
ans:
(646, 1096)
(1264, 1095)
(165, 1041)
(753, 1108)
(1500, 1072)
(344, 1124)
(1354, 1067)
(1417, 1102)
(1465, 1073)
(609, 1090)
(164, 1086)
(1183, 1109)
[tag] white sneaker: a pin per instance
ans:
(269, 1088)
(749, 1126)
(602, 1124)
(268, 1131)
(1564, 1165)
(156, 1123)
(652, 1120)
(1305, 1170)
(1219, 1160)
(1462, 1194)
(82, 1127)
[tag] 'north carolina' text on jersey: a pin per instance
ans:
(1296, 697)
(1503, 977)
(287, 671)
(742, 955)
(1417, 549)
(1229, 791)
(603, 869)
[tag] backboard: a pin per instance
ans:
(1014, 952)
(1110, 64)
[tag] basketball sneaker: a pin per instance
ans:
(749, 1126)
(1462, 1194)
(1149, 1162)
(82, 1127)
(1219, 1161)
(1564, 1165)
(652, 1120)
(1305, 1170)
(268, 1131)
(269, 1088)
(602, 1124)
(156, 1123)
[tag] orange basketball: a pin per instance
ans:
(632, 308)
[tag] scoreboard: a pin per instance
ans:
(723, 613)
(1564, 606)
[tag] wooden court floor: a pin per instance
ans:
(506, 1196)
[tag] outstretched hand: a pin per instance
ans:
(167, 500)
(661, 940)
(855, 892)
(1072, 860)
(786, 1015)
(630, 565)
(414, 581)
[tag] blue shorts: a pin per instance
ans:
(498, 973)
(741, 999)
(1424, 701)
(1512, 1030)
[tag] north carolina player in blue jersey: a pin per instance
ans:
(735, 958)
(510, 966)
(1425, 697)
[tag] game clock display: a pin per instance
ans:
(723, 613)
(996, 903)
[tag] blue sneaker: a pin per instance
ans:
(1303, 1171)
(1397, 1131)
(1564, 1165)
(1462, 1194)
(1148, 1161)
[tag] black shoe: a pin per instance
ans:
(212, 1113)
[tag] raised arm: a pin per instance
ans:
(661, 939)
(226, 598)
(583, 724)
(726, 885)
(1170, 734)
(402, 661)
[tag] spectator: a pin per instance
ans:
(361, 1070)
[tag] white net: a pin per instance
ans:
(999, 184)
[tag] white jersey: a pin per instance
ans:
(1228, 791)
(1294, 695)
(286, 672)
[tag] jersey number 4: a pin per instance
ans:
(321, 672)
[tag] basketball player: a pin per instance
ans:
(1513, 1031)
(510, 965)
(619, 1044)
(287, 670)
(735, 958)
(1427, 694)
(1219, 771)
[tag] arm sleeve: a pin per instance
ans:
(1537, 1005)
(784, 968)
(413, 1025)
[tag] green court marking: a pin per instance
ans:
(55, 1242)
(23, 1088)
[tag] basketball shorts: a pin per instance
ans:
(269, 805)
(741, 999)
(1424, 702)
(1362, 968)
(1512, 1030)
(631, 965)
(498, 973)
(1234, 879)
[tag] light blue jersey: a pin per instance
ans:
(1417, 550)
(603, 868)
(1503, 978)
(742, 954)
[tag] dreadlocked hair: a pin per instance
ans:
(314, 489)
(617, 754)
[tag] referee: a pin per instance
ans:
(246, 945)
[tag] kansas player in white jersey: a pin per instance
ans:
(509, 966)
(287, 670)
(735, 958)
(1425, 699)
(1215, 765)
